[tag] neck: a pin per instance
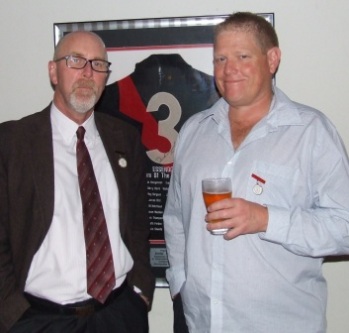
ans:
(242, 120)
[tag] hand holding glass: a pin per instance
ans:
(215, 189)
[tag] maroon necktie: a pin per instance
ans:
(99, 259)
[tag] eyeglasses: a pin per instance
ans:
(77, 62)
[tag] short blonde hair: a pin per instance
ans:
(264, 32)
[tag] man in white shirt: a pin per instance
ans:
(290, 204)
(43, 265)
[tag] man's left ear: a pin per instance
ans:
(274, 57)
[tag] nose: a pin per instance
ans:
(87, 70)
(230, 66)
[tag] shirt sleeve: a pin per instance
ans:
(174, 235)
(322, 228)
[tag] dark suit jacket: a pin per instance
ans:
(27, 201)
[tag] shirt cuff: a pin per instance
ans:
(278, 225)
(137, 290)
(175, 281)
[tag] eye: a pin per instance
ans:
(98, 64)
(219, 60)
(76, 60)
(243, 56)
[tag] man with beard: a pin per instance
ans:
(45, 269)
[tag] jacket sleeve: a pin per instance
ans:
(12, 302)
(137, 230)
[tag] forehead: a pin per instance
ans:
(236, 38)
(82, 43)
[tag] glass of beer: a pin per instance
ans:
(215, 189)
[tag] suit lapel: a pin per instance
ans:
(41, 161)
(39, 140)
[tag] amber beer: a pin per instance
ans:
(215, 189)
(210, 198)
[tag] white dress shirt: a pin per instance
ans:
(58, 270)
(269, 282)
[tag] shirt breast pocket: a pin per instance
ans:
(275, 182)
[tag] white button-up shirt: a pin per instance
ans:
(269, 282)
(58, 269)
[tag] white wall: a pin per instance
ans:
(314, 70)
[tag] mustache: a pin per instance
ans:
(84, 84)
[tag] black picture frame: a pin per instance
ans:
(144, 41)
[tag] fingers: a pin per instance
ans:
(232, 233)
(221, 204)
(237, 215)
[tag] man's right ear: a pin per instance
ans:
(52, 71)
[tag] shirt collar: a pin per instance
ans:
(67, 127)
(218, 112)
(283, 111)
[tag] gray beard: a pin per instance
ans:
(82, 105)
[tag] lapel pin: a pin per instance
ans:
(122, 162)
(258, 188)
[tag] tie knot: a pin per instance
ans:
(80, 133)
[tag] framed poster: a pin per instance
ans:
(161, 74)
